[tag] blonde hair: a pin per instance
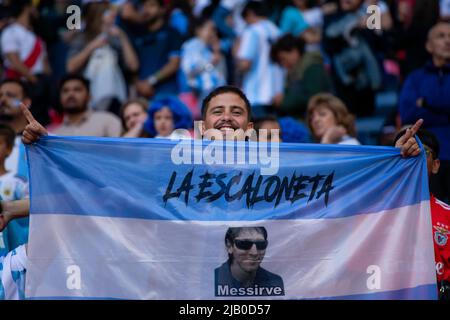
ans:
(139, 101)
(341, 114)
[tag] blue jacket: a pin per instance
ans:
(433, 85)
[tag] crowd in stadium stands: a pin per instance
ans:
(316, 69)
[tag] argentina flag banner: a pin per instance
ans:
(116, 218)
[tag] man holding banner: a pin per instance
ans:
(342, 220)
(440, 216)
(227, 109)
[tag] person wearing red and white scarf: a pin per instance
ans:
(24, 52)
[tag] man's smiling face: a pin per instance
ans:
(227, 112)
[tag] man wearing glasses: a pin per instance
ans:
(241, 274)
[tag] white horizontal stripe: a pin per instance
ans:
(132, 258)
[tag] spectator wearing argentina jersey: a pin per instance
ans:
(12, 274)
(13, 264)
(201, 59)
(13, 183)
(263, 80)
(12, 187)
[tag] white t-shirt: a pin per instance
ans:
(313, 17)
(17, 38)
(265, 79)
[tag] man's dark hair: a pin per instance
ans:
(286, 43)
(260, 120)
(209, 10)
(5, 12)
(312, 3)
(222, 90)
(8, 133)
(73, 76)
(233, 232)
(20, 83)
(160, 2)
(17, 7)
(197, 23)
(259, 8)
(428, 138)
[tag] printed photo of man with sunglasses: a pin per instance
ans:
(241, 274)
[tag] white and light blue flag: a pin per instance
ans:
(126, 219)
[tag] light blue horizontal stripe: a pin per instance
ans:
(119, 177)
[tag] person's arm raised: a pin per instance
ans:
(34, 130)
(407, 142)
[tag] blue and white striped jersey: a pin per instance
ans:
(12, 274)
(17, 160)
(265, 79)
(13, 187)
(201, 74)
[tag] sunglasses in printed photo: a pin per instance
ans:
(248, 244)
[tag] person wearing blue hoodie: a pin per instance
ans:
(426, 95)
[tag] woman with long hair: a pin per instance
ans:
(330, 121)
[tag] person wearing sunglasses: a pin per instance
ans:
(440, 215)
(242, 274)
